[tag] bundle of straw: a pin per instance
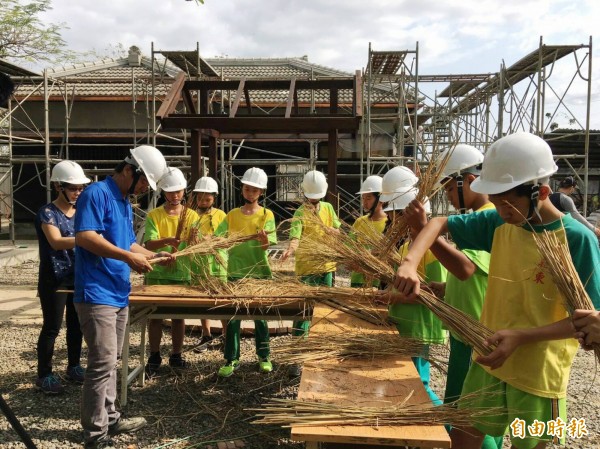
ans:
(557, 258)
(181, 222)
(210, 245)
(291, 413)
(345, 345)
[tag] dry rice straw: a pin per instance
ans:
(293, 413)
(209, 245)
(557, 258)
(348, 344)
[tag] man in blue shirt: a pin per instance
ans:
(106, 251)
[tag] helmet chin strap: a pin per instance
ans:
(533, 202)
(137, 173)
(461, 198)
(64, 192)
(374, 206)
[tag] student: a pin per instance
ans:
(54, 225)
(373, 223)
(206, 191)
(249, 260)
(106, 250)
(563, 202)
(467, 270)
(528, 371)
(162, 226)
(314, 187)
(414, 320)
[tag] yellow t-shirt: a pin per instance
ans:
(160, 225)
(208, 265)
(248, 259)
(301, 229)
(522, 295)
(364, 226)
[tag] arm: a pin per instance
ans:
(407, 280)
(569, 206)
(137, 259)
(292, 247)
(153, 245)
(455, 261)
(451, 258)
(55, 239)
(507, 340)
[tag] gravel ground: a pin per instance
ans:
(192, 408)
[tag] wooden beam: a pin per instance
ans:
(248, 103)
(212, 157)
(238, 97)
(333, 101)
(332, 196)
(357, 109)
(189, 102)
(263, 125)
(196, 163)
(173, 97)
(291, 96)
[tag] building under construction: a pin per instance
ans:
(221, 116)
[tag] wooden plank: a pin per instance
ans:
(291, 94)
(238, 97)
(170, 102)
(363, 382)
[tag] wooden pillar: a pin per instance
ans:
(212, 155)
(332, 168)
(196, 163)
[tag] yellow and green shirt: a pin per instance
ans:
(521, 293)
(364, 226)
(416, 320)
(160, 225)
(208, 265)
(468, 295)
(248, 259)
(303, 228)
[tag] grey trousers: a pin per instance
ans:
(103, 329)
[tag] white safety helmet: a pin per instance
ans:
(314, 185)
(150, 161)
(373, 184)
(69, 172)
(513, 160)
(461, 159)
(206, 184)
(173, 180)
(403, 197)
(255, 177)
(396, 179)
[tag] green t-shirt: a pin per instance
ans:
(468, 295)
(416, 320)
(248, 259)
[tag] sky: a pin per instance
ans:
(466, 36)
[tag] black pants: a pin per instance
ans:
(53, 308)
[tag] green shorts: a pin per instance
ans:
(521, 409)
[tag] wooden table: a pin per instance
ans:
(183, 302)
(368, 382)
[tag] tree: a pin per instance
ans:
(24, 36)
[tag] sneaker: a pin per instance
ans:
(294, 370)
(49, 384)
(104, 442)
(265, 365)
(204, 343)
(176, 361)
(228, 369)
(153, 365)
(127, 425)
(75, 374)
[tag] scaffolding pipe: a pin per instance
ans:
(587, 129)
(47, 137)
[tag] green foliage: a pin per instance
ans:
(24, 36)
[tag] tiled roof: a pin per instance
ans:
(113, 78)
